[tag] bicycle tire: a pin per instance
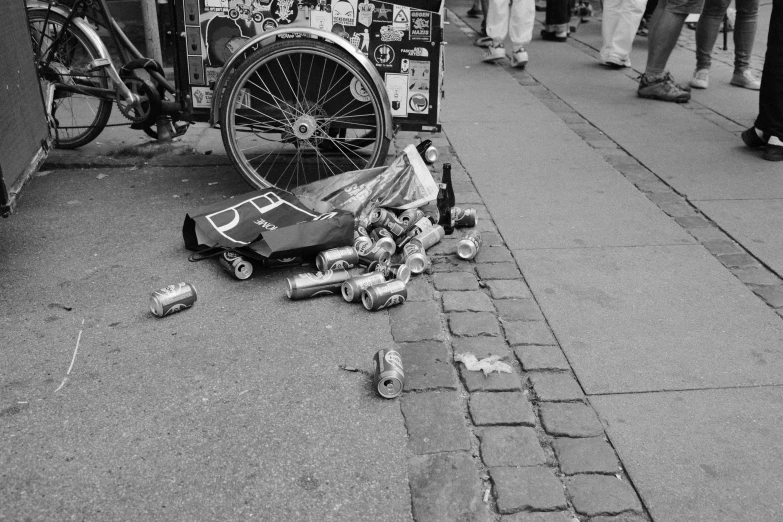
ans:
(293, 103)
(79, 118)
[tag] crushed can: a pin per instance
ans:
(469, 245)
(236, 265)
(172, 299)
(463, 217)
(376, 253)
(387, 376)
(334, 258)
(415, 257)
(352, 289)
(409, 217)
(386, 219)
(401, 272)
(431, 236)
(384, 295)
(318, 284)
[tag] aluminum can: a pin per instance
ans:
(431, 236)
(469, 245)
(384, 218)
(421, 225)
(352, 289)
(401, 272)
(387, 244)
(362, 244)
(463, 217)
(409, 217)
(376, 253)
(343, 257)
(313, 285)
(172, 299)
(236, 265)
(379, 232)
(384, 295)
(415, 257)
(387, 376)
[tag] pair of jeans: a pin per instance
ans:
(744, 31)
(770, 118)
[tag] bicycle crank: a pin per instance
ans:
(146, 105)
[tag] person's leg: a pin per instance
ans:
(558, 14)
(629, 16)
(770, 118)
(609, 21)
(485, 9)
(521, 21)
(666, 27)
(744, 32)
(497, 29)
(707, 30)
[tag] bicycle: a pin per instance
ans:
(73, 60)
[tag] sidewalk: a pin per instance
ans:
(628, 274)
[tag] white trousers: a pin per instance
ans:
(620, 22)
(514, 19)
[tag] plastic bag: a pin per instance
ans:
(405, 183)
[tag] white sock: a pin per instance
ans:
(775, 141)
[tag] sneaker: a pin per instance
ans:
(663, 88)
(494, 53)
(747, 80)
(553, 36)
(519, 58)
(686, 88)
(701, 79)
(614, 64)
(484, 41)
(474, 13)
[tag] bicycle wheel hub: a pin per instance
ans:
(304, 127)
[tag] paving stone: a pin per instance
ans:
(477, 381)
(773, 295)
(498, 271)
(494, 255)
(709, 233)
(527, 489)
(529, 333)
(446, 246)
(541, 358)
(445, 487)
(510, 446)
(678, 209)
(491, 239)
(455, 281)
(427, 366)
(485, 225)
(416, 321)
(756, 276)
(570, 419)
(508, 289)
(471, 324)
(723, 246)
(511, 310)
(623, 517)
(664, 197)
(559, 386)
(468, 197)
(653, 185)
(481, 347)
(473, 301)
(738, 260)
(540, 516)
(693, 222)
(419, 289)
(508, 408)
(590, 455)
(594, 495)
(450, 264)
(435, 422)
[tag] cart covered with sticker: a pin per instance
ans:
(306, 89)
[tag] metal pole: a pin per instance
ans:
(149, 13)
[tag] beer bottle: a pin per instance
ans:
(449, 187)
(444, 209)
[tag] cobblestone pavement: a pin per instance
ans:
(525, 446)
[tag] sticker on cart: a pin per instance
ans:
(383, 56)
(202, 97)
(405, 65)
(365, 13)
(212, 74)
(420, 52)
(421, 25)
(344, 12)
(418, 103)
(321, 20)
(359, 90)
(390, 34)
(401, 18)
(419, 76)
(397, 89)
(382, 13)
(361, 41)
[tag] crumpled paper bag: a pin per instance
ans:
(487, 365)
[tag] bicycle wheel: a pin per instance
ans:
(301, 110)
(79, 118)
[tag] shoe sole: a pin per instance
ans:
(492, 59)
(749, 87)
(612, 65)
(698, 86)
(654, 97)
